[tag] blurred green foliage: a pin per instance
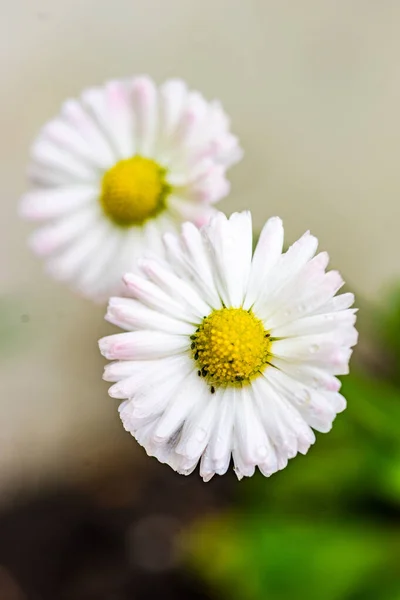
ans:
(328, 526)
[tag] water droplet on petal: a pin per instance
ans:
(303, 395)
(316, 383)
(314, 348)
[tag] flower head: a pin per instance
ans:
(116, 168)
(230, 354)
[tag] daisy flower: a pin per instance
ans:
(116, 168)
(230, 354)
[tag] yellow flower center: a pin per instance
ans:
(133, 190)
(230, 346)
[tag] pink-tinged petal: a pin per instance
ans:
(190, 211)
(49, 203)
(48, 155)
(144, 99)
(208, 188)
(67, 138)
(48, 239)
(152, 296)
(173, 96)
(142, 345)
(176, 288)
(91, 124)
(70, 264)
(122, 118)
(189, 131)
(130, 314)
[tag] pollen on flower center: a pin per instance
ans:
(133, 190)
(230, 346)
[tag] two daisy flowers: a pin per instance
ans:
(227, 354)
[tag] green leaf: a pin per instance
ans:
(256, 557)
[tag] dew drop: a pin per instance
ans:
(219, 440)
(314, 348)
(316, 383)
(302, 396)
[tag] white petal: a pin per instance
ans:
(118, 370)
(98, 102)
(315, 407)
(153, 231)
(287, 267)
(144, 98)
(153, 297)
(316, 324)
(325, 354)
(221, 441)
(89, 126)
(48, 239)
(147, 372)
(96, 274)
(48, 155)
(42, 177)
(305, 300)
(191, 261)
(121, 118)
(266, 255)
(142, 345)
(311, 375)
(217, 455)
(286, 428)
(193, 212)
(290, 300)
(68, 138)
(206, 183)
(189, 131)
(251, 445)
(49, 203)
(152, 397)
(175, 287)
(336, 304)
(188, 396)
(71, 262)
(231, 243)
(173, 95)
(128, 313)
(198, 429)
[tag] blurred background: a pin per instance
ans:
(313, 89)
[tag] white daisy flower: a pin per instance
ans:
(230, 354)
(116, 168)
